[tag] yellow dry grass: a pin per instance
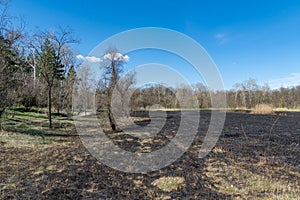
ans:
(263, 109)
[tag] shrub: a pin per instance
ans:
(263, 109)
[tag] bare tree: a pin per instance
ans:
(186, 96)
(123, 89)
(85, 87)
(112, 67)
(251, 87)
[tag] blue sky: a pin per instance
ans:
(246, 39)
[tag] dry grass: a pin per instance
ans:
(169, 183)
(263, 109)
(287, 109)
(239, 180)
(18, 140)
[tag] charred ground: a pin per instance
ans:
(257, 156)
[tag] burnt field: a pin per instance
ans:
(256, 157)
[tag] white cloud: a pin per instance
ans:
(109, 56)
(126, 58)
(92, 59)
(219, 35)
(116, 57)
(288, 81)
(221, 38)
(80, 57)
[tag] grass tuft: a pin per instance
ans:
(169, 184)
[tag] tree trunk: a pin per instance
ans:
(110, 115)
(111, 119)
(112, 85)
(50, 107)
(1, 112)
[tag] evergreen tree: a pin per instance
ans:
(50, 68)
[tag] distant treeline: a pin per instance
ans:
(243, 95)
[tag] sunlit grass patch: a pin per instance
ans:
(219, 150)
(169, 184)
(24, 113)
(18, 140)
(34, 122)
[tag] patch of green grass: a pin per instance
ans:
(32, 113)
(24, 109)
(32, 126)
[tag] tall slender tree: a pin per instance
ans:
(50, 68)
(50, 49)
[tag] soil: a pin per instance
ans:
(66, 170)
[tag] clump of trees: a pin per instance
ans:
(249, 94)
(12, 64)
(35, 70)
